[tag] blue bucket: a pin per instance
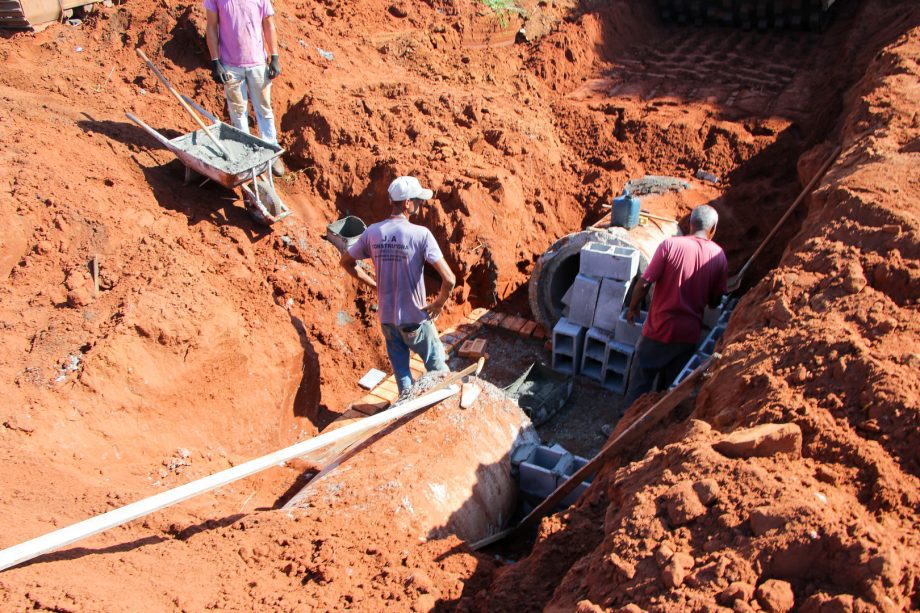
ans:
(625, 211)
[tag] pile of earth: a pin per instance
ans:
(211, 340)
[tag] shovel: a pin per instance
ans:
(734, 283)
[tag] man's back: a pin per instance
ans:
(689, 272)
(399, 250)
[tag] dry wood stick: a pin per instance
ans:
(185, 105)
(623, 440)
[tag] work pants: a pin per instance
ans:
(251, 84)
(655, 365)
(420, 338)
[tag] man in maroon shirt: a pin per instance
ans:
(689, 272)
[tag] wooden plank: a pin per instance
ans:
(59, 538)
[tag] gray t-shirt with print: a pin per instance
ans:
(399, 250)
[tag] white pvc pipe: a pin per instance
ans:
(53, 540)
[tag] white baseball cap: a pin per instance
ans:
(407, 188)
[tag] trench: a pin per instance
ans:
(752, 136)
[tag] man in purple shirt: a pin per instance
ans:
(399, 250)
(238, 34)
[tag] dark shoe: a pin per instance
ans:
(278, 168)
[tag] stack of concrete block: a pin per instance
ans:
(540, 474)
(594, 355)
(616, 366)
(568, 342)
(546, 468)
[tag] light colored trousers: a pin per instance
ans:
(251, 83)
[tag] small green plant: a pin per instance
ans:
(501, 8)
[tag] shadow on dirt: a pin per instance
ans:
(76, 553)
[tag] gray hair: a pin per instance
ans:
(703, 217)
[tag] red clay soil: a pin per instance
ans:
(212, 340)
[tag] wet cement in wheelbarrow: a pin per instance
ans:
(244, 156)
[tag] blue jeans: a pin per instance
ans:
(251, 83)
(422, 339)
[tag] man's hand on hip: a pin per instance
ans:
(219, 72)
(433, 309)
(274, 67)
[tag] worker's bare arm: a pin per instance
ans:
(448, 281)
(270, 35)
(638, 295)
(350, 265)
(211, 34)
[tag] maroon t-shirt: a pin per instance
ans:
(689, 272)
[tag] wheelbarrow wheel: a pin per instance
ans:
(269, 199)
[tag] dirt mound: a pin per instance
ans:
(211, 340)
(825, 344)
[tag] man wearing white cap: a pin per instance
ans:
(399, 250)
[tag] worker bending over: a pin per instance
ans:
(689, 273)
(399, 250)
(239, 32)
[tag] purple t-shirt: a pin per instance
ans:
(399, 250)
(240, 30)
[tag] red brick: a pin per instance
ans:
(513, 323)
(527, 329)
(496, 319)
(473, 349)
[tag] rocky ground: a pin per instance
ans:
(212, 340)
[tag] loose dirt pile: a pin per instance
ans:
(211, 340)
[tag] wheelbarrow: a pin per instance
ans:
(247, 168)
(227, 155)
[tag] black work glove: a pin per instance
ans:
(274, 67)
(219, 73)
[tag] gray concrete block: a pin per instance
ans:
(594, 355)
(629, 333)
(556, 459)
(619, 357)
(584, 300)
(523, 453)
(615, 382)
(711, 316)
(568, 341)
(536, 480)
(708, 346)
(609, 304)
(567, 297)
(692, 364)
(612, 261)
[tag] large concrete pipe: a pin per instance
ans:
(556, 269)
(445, 471)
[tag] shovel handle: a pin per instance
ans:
(184, 104)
